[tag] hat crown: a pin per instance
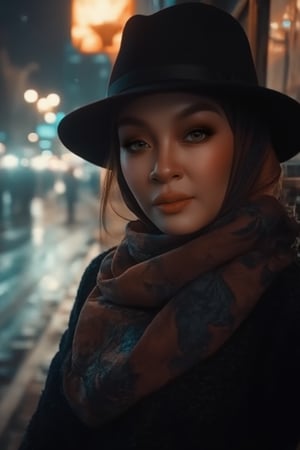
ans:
(168, 44)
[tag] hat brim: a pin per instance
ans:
(87, 131)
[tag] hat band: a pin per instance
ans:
(182, 72)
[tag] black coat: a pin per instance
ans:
(245, 397)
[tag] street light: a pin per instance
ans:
(45, 108)
(97, 24)
(50, 117)
(53, 99)
(43, 103)
(31, 95)
(33, 137)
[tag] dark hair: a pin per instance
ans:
(114, 175)
(251, 142)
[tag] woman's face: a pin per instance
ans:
(176, 152)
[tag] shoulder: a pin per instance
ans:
(280, 306)
(282, 356)
(281, 325)
(286, 283)
(287, 287)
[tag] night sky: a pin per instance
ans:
(36, 31)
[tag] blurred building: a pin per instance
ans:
(273, 29)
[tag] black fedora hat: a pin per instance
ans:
(191, 46)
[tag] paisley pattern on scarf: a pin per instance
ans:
(162, 304)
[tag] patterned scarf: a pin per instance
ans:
(162, 304)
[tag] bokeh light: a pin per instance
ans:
(31, 96)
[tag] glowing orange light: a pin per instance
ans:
(97, 24)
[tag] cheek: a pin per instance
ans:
(219, 163)
(133, 178)
(126, 169)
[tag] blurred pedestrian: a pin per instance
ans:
(27, 190)
(71, 193)
(187, 334)
(2, 190)
(21, 185)
(95, 182)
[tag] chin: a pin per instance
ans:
(180, 229)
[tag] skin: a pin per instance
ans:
(176, 152)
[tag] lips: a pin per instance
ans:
(172, 202)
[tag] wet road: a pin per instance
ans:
(40, 267)
(38, 263)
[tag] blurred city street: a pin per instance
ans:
(41, 261)
(55, 57)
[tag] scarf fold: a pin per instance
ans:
(162, 304)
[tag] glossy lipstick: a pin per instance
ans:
(171, 203)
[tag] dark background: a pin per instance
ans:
(36, 31)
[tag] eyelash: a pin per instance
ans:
(204, 130)
(128, 145)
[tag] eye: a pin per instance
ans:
(197, 135)
(134, 146)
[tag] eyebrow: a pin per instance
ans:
(189, 110)
(198, 106)
(128, 120)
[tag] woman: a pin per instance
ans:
(187, 334)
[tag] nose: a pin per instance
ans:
(166, 165)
